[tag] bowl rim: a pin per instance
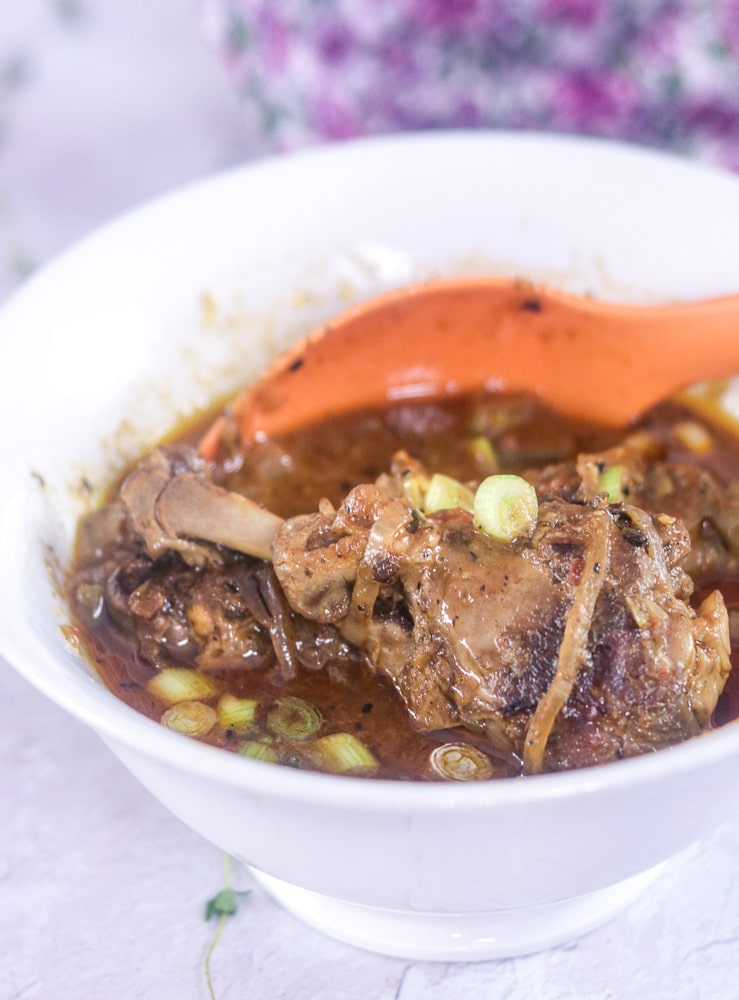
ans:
(123, 727)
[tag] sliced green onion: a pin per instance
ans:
(236, 713)
(505, 507)
(483, 453)
(174, 684)
(611, 482)
(259, 750)
(445, 493)
(192, 718)
(415, 486)
(294, 719)
(343, 753)
(460, 762)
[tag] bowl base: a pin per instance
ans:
(456, 937)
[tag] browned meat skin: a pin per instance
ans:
(471, 629)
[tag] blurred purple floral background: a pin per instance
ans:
(104, 104)
(660, 72)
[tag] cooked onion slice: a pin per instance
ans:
(460, 762)
(694, 436)
(573, 652)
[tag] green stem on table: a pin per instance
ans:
(224, 905)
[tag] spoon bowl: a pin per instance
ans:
(587, 358)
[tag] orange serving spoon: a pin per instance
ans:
(587, 358)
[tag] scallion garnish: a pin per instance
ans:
(446, 493)
(236, 713)
(460, 762)
(611, 482)
(191, 718)
(173, 684)
(506, 507)
(342, 753)
(294, 719)
(483, 453)
(259, 750)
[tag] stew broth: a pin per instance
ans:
(467, 439)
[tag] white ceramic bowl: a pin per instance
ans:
(180, 302)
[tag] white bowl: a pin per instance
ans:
(185, 299)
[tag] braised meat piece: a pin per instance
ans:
(572, 647)
(178, 564)
(645, 479)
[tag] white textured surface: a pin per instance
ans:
(101, 891)
(102, 895)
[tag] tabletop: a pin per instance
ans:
(102, 892)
